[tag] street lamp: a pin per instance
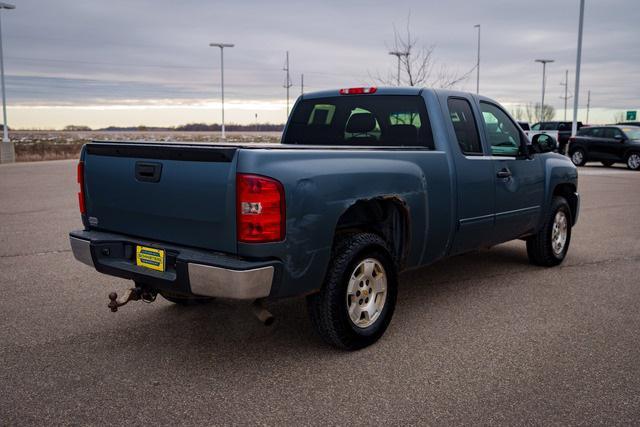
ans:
(574, 124)
(7, 153)
(544, 69)
(222, 46)
(478, 63)
(399, 55)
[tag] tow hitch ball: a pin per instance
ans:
(133, 294)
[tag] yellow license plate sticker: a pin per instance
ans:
(150, 258)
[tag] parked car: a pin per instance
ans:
(366, 183)
(608, 145)
(563, 129)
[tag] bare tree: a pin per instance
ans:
(619, 117)
(532, 111)
(548, 112)
(518, 112)
(418, 66)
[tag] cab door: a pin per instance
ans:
(474, 178)
(518, 179)
(612, 144)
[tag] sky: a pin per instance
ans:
(139, 62)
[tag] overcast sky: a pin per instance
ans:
(148, 62)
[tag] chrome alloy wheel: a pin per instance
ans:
(366, 292)
(559, 232)
(634, 161)
(577, 157)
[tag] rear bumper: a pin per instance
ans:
(188, 271)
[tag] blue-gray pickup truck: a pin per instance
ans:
(367, 182)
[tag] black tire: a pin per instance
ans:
(185, 299)
(328, 308)
(579, 160)
(607, 163)
(539, 246)
(633, 165)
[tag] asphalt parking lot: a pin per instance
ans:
(483, 338)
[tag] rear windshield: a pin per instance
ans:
(361, 120)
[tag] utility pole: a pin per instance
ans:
(257, 125)
(287, 81)
(478, 63)
(222, 46)
(399, 55)
(566, 95)
(7, 150)
(588, 106)
(574, 125)
(301, 84)
(544, 77)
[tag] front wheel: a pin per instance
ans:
(357, 300)
(579, 157)
(633, 161)
(550, 245)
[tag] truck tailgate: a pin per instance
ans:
(184, 194)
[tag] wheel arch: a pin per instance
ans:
(569, 192)
(386, 216)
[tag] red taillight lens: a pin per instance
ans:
(358, 90)
(260, 209)
(81, 183)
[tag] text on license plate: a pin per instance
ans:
(150, 258)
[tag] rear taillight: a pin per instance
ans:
(81, 184)
(358, 91)
(260, 208)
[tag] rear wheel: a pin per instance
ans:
(633, 161)
(607, 163)
(579, 157)
(357, 300)
(550, 245)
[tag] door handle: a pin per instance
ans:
(148, 172)
(504, 173)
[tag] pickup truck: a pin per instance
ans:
(366, 183)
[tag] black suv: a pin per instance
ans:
(606, 144)
(564, 132)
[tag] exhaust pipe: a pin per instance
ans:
(259, 309)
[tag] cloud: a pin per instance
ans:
(85, 53)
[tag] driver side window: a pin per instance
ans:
(503, 135)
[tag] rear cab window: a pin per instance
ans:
(361, 120)
(464, 125)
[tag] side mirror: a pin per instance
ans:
(619, 137)
(544, 143)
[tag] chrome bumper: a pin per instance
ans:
(81, 250)
(205, 280)
(224, 283)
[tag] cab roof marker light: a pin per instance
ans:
(358, 91)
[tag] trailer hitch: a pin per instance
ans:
(133, 294)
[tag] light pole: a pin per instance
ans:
(222, 46)
(399, 55)
(574, 125)
(544, 69)
(7, 152)
(478, 63)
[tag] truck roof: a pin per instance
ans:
(395, 91)
(379, 91)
